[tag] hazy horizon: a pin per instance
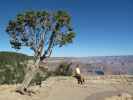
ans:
(73, 56)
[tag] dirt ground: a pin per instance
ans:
(66, 88)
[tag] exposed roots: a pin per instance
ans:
(26, 92)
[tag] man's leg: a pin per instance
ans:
(76, 76)
(83, 80)
(80, 79)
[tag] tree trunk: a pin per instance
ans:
(28, 77)
(31, 73)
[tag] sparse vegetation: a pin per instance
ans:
(64, 69)
(12, 67)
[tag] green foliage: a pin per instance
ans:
(11, 57)
(67, 39)
(36, 28)
(39, 77)
(64, 69)
(12, 67)
(62, 17)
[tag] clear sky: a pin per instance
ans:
(103, 27)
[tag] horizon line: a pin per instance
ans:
(77, 56)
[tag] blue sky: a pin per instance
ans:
(103, 27)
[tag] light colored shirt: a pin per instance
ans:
(77, 71)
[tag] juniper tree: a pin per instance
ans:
(41, 31)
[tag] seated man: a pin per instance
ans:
(78, 76)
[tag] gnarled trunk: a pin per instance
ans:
(28, 77)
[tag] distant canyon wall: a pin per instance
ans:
(113, 65)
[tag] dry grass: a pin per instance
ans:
(66, 88)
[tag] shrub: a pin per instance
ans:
(64, 69)
(12, 67)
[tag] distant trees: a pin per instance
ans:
(64, 69)
(41, 31)
(10, 57)
(12, 67)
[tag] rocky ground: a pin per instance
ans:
(66, 88)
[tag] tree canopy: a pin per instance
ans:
(40, 31)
